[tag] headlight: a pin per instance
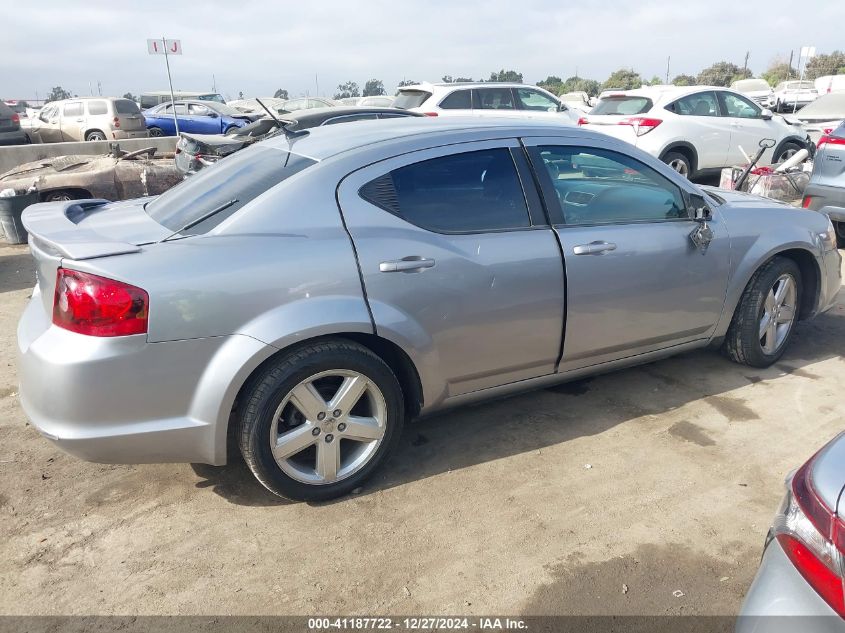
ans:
(828, 238)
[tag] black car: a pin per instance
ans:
(10, 127)
(195, 151)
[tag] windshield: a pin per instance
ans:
(748, 85)
(406, 99)
(241, 177)
(622, 104)
(211, 97)
(222, 108)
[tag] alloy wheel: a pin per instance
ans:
(679, 166)
(328, 427)
(779, 312)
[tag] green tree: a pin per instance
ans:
(57, 93)
(721, 74)
(553, 84)
(281, 93)
(349, 89)
(821, 65)
(447, 79)
(655, 81)
(407, 82)
(623, 79)
(373, 88)
(683, 80)
(463, 80)
(503, 75)
(130, 96)
(778, 72)
(580, 84)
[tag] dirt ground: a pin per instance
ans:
(657, 479)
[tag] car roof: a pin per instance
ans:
(465, 84)
(316, 113)
(656, 93)
(324, 142)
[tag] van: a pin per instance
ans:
(151, 99)
(88, 119)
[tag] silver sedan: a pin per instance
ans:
(306, 296)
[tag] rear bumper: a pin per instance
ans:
(121, 134)
(779, 591)
(15, 137)
(122, 399)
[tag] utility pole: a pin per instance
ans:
(668, 59)
(791, 53)
(745, 65)
(99, 88)
(317, 85)
(213, 83)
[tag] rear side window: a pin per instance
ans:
(462, 193)
(458, 100)
(493, 99)
(700, 104)
(97, 107)
(623, 104)
(73, 109)
(407, 99)
(125, 106)
(241, 178)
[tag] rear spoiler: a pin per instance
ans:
(54, 225)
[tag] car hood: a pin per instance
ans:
(743, 200)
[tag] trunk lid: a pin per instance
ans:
(85, 229)
(128, 115)
(611, 124)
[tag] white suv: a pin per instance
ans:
(695, 129)
(484, 99)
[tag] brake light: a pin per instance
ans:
(642, 125)
(97, 306)
(583, 121)
(116, 122)
(16, 118)
(805, 203)
(813, 538)
(431, 114)
(830, 140)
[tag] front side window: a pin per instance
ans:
(598, 186)
(232, 183)
(534, 100)
(73, 109)
(461, 193)
(699, 104)
(493, 99)
(737, 106)
(198, 110)
(458, 100)
(97, 107)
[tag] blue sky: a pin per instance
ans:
(257, 47)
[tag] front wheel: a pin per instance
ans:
(765, 317)
(317, 422)
(786, 152)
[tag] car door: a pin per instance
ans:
(456, 255)
(700, 123)
(49, 126)
(635, 282)
(747, 126)
(72, 121)
(201, 120)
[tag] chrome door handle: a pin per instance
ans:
(406, 264)
(594, 248)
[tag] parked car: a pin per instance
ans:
(117, 175)
(695, 129)
(152, 99)
(758, 90)
(799, 586)
(375, 101)
(201, 117)
(827, 182)
(10, 127)
(305, 103)
(577, 100)
(829, 83)
(791, 95)
(195, 151)
(251, 106)
(87, 119)
(484, 99)
(322, 289)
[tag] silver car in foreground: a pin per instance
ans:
(802, 574)
(310, 293)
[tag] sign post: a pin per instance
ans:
(167, 47)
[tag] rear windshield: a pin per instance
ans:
(407, 99)
(750, 84)
(241, 177)
(622, 105)
(125, 106)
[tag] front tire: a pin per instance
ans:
(786, 152)
(766, 315)
(317, 422)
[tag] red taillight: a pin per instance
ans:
(116, 122)
(16, 118)
(805, 203)
(96, 306)
(830, 140)
(431, 114)
(826, 583)
(642, 125)
(583, 121)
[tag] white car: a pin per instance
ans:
(484, 99)
(695, 129)
(758, 90)
(791, 95)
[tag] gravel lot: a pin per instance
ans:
(661, 478)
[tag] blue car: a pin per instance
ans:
(198, 117)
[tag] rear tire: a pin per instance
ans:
(679, 162)
(63, 196)
(763, 322)
(294, 433)
(156, 132)
(95, 135)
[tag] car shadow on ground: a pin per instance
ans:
(471, 435)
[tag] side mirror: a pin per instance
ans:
(699, 209)
(766, 114)
(213, 115)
